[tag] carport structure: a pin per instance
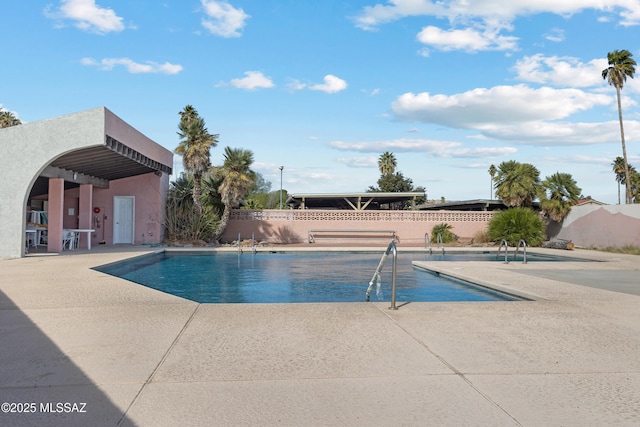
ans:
(85, 168)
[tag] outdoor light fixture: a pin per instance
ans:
(75, 176)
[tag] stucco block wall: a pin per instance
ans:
(293, 226)
(601, 226)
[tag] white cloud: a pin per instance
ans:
(485, 108)
(253, 80)
(491, 11)
(468, 39)
(332, 84)
(359, 162)
(555, 35)
(560, 70)
(133, 67)
(223, 19)
(564, 133)
(87, 16)
(445, 149)
(295, 85)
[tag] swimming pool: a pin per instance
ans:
(291, 277)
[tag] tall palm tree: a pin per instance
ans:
(195, 148)
(517, 184)
(237, 177)
(492, 172)
(561, 192)
(621, 66)
(7, 119)
(387, 163)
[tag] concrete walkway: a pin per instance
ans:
(132, 356)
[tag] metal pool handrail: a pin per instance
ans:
(506, 250)
(524, 251)
(441, 242)
(427, 241)
(376, 276)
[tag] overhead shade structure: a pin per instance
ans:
(351, 201)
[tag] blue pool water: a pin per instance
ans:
(291, 278)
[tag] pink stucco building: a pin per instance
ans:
(84, 171)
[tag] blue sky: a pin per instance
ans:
(324, 87)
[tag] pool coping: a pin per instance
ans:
(141, 357)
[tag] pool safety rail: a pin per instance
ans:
(253, 245)
(375, 280)
(521, 243)
(427, 243)
(311, 235)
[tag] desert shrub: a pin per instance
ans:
(444, 230)
(481, 236)
(183, 224)
(515, 224)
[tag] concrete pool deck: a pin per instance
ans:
(132, 356)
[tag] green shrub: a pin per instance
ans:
(515, 224)
(444, 230)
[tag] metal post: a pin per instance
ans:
(393, 276)
(281, 167)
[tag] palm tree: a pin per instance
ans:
(7, 119)
(618, 169)
(387, 163)
(237, 177)
(635, 186)
(621, 66)
(517, 184)
(195, 147)
(492, 172)
(563, 192)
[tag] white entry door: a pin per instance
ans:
(123, 208)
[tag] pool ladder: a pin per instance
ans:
(375, 280)
(521, 243)
(427, 243)
(253, 247)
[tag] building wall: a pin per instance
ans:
(149, 191)
(601, 226)
(293, 226)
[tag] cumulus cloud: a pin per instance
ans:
(491, 11)
(87, 16)
(332, 84)
(149, 67)
(468, 39)
(479, 25)
(223, 19)
(563, 133)
(484, 108)
(560, 70)
(252, 80)
(433, 148)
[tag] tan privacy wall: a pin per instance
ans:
(293, 226)
(601, 226)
